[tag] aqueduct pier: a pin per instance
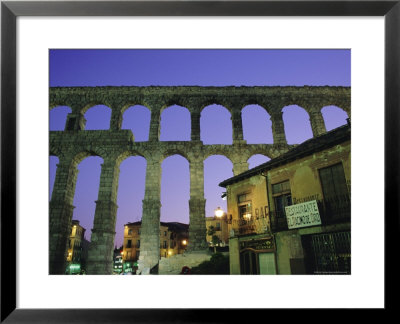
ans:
(75, 143)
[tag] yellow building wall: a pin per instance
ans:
(303, 175)
(132, 254)
(223, 233)
(75, 238)
(257, 190)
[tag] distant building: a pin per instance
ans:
(78, 248)
(173, 240)
(117, 261)
(220, 226)
(291, 215)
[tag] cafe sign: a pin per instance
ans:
(303, 215)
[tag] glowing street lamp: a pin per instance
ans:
(219, 212)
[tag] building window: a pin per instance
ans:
(130, 231)
(336, 202)
(218, 227)
(165, 233)
(244, 206)
(129, 244)
(165, 244)
(282, 197)
(245, 211)
(243, 197)
(333, 181)
(327, 253)
(281, 187)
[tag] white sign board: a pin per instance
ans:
(303, 215)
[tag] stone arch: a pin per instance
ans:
(217, 101)
(254, 101)
(122, 108)
(98, 121)
(175, 118)
(58, 117)
(175, 151)
(220, 123)
(87, 190)
(218, 150)
(334, 116)
(175, 172)
(53, 105)
(78, 156)
(262, 149)
(130, 121)
(257, 159)
(258, 127)
(90, 104)
(217, 167)
(176, 101)
(297, 124)
(131, 190)
(121, 157)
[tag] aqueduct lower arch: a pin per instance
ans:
(115, 144)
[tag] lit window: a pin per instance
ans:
(244, 206)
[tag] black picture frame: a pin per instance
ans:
(10, 10)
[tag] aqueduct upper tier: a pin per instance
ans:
(115, 144)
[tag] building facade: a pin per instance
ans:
(173, 240)
(78, 248)
(291, 215)
(118, 264)
(220, 226)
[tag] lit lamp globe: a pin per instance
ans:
(219, 212)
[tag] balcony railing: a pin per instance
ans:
(332, 211)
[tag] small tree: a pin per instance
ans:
(214, 238)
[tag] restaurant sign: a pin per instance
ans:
(258, 245)
(303, 215)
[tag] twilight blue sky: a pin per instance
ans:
(187, 67)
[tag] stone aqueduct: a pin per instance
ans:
(75, 143)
